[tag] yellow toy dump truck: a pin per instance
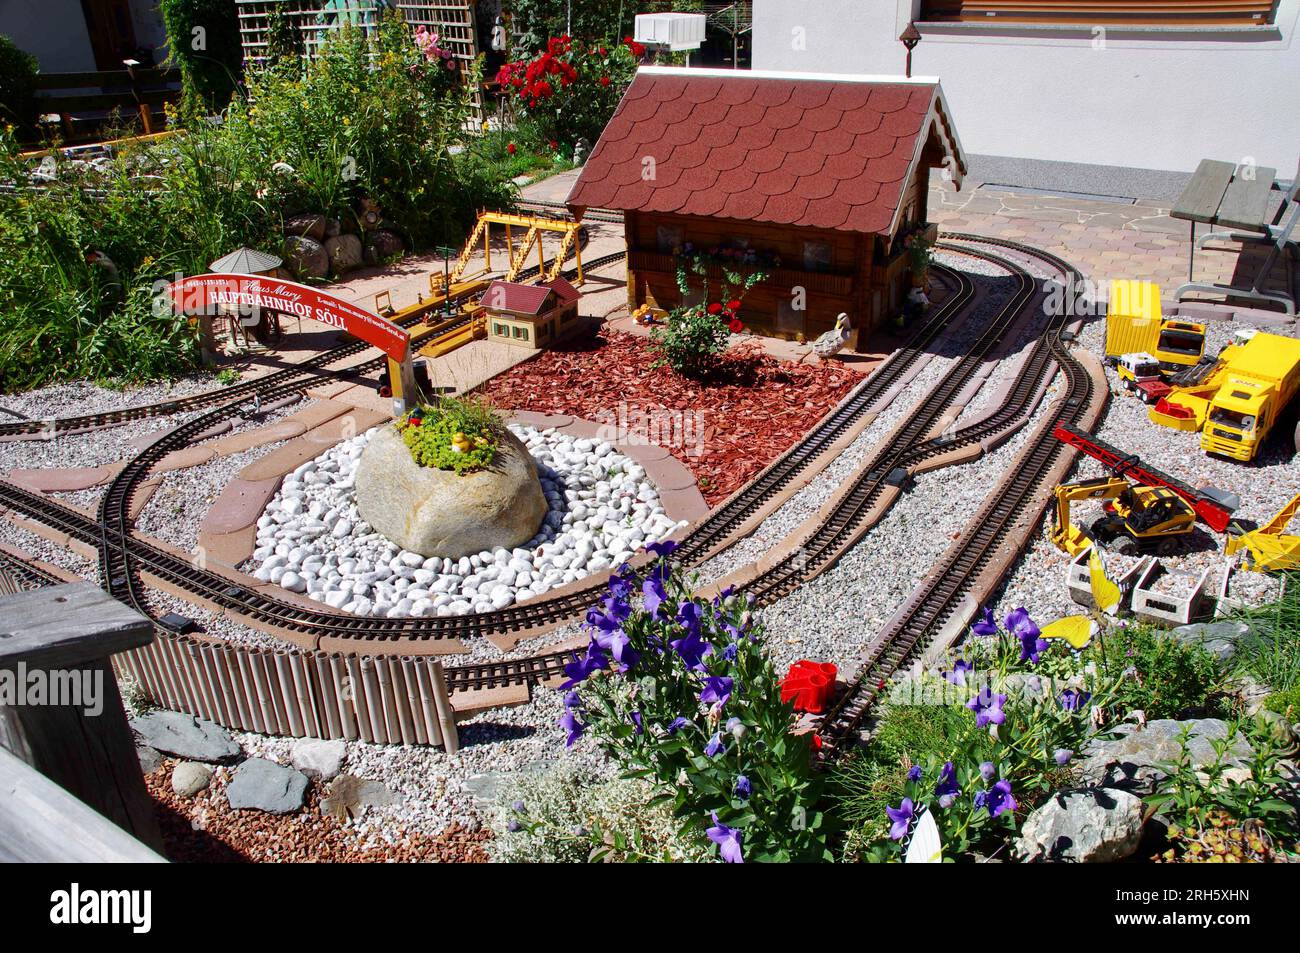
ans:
(1134, 324)
(1258, 380)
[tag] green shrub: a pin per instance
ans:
(695, 337)
(1285, 703)
(432, 432)
(1271, 653)
(1260, 792)
(1165, 678)
(18, 71)
(203, 43)
(563, 805)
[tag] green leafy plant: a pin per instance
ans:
(204, 44)
(459, 435)
(18, 70)
(678, 691)
(1256, 791)
(1164, 678)
(549, 817)
(694, 337)
(1270, 653)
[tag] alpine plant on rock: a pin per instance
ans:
(678, 690)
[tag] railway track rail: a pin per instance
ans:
(123, 555)
(940, 595)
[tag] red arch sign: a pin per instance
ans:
(248, 294)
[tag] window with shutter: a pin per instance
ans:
(1135, 12)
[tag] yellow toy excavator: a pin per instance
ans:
(1138, 518)
(1147, 510)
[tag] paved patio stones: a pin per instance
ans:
(240, 504)
(64, 479)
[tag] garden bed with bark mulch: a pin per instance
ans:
(205, 829)
(724, 430)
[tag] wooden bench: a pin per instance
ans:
(131, 92)
(1237, 198)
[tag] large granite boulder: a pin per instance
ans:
(1092, 826)
(344, 252)
(441, 513)
(306, 257)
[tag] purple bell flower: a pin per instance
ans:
(914, 773)
(988, 711)
(728, 839)
(715, 745)
(662, 549)
(1074, 699)
(947, 781)
(901, 817)
(570, 723)
(717, 689)
(677, 724)
(985, 625)
(1063, 756)
(743, 788)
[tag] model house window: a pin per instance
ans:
(1102, 12)
(818, 256)
(668, 239)
(521, 333)
(499, 330)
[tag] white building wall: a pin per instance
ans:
(1145, 98)
(53, 31)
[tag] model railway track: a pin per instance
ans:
(120, 553)
(907, 447)
(940, 594)
(309, 369)
(123, 555)
(19, 575)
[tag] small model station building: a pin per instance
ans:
(530, 316)
(820, 179)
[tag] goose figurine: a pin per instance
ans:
(460, 443)
(833, 341)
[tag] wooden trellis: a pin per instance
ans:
(452, 20)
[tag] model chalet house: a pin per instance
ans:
(818, 179)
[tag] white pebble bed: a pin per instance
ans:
(312, 539)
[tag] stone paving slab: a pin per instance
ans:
(230, 549)
(311, 444)
(64, 479)
(185, 458)
(248, 439)
(239, 505)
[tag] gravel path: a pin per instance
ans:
(834, 616)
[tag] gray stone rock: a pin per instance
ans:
(441, 513)
(319, 759)
(349, 796)
(185, 736)
(382, 245)
(1133, 760)
(1219, 638)
(151, 759)
(307, 224)
(262, 785)
(306, 256)
(190, 777)
(344, 252)
(1090, 826)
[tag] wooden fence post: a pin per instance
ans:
(60, 710)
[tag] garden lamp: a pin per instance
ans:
(447, 254)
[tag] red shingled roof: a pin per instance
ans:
(516, 297)
(823, 153)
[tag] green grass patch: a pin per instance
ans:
(453, 434)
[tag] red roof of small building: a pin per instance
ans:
(516, 297)
(527, 299)
(791, 149)
(563, 290)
